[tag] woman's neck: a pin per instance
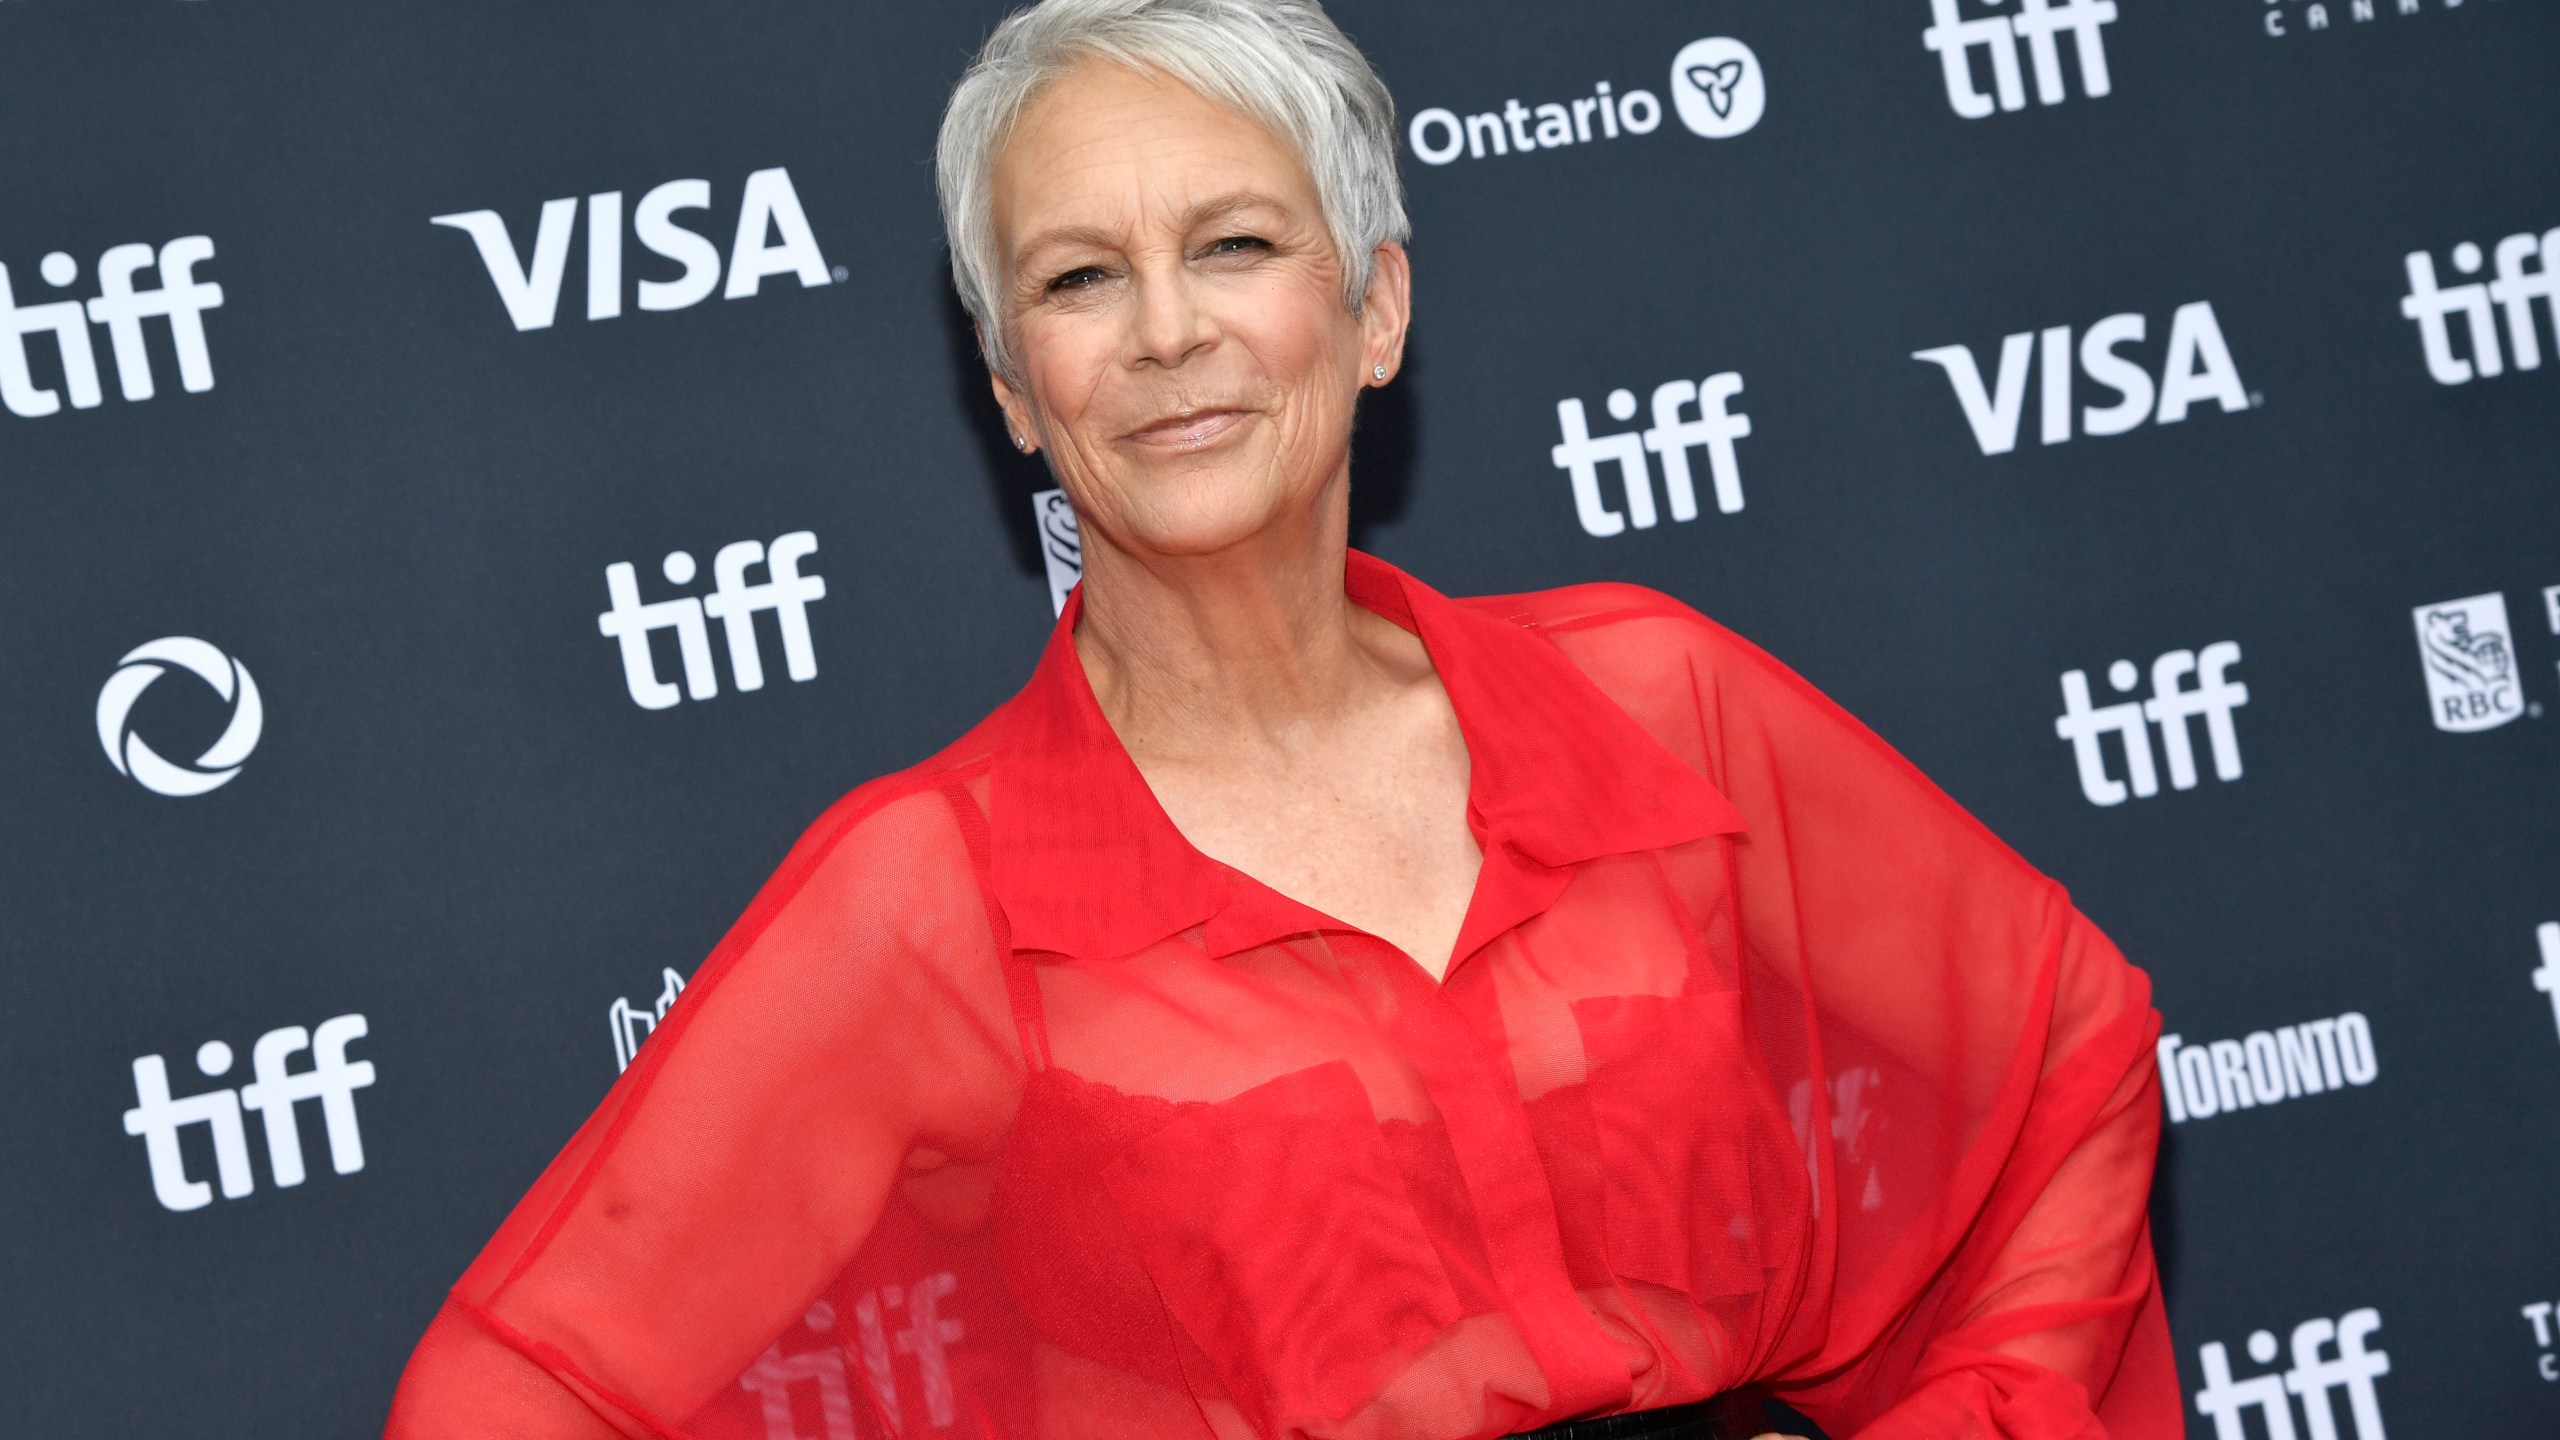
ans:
(1253, 647)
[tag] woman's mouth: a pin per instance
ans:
(1190, 429)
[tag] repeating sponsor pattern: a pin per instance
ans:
(2173, 703)
(2267, 1067)
(2317, 1382)
(1717, 89)
(178, 297)
(2197, 368)
(773, 238)
(133, 756)
(2297, 17)
(633, 1023)
(2192, 336)
(2039, 26)
(734, 602)
(331, 1079)
(1580, 454)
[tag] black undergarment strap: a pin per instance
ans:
(1735, 1415)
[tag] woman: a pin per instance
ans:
(1315, 1005)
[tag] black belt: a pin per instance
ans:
(1734, 1415)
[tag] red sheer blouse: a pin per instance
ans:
(1005, 1112)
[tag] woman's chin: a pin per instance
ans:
(1207, 517)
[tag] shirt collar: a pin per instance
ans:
(1086, 863)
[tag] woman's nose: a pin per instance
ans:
(1171, 323)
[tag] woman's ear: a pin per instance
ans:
(1386, 310)
(1016, 407)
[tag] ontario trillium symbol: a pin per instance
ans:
(1716, 85)
(1716, 82)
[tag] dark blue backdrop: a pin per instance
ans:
(2246, 293)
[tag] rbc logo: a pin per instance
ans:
(530, 289)
(2040, 23)
(2512, 293)
(1581, 454)
(126, 749)
(2198, 367)
(733, 602)
(179, 298)
(2214, 697)
(2471, 665)
(1061, 545)
(332, 1080)
(2353, 1369)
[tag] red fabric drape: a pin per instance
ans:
(1004, 1112)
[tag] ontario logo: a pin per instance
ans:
(2470, 659)
(1717, 89)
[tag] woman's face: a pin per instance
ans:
(1175, 308)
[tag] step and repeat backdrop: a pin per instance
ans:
(478, 477)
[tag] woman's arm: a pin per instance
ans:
(1988, 1214)
(1971, 1060)
(856, 1012)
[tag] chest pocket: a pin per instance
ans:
(1696, 1161)
(1278, 1230)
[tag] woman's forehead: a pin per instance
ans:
(1106, 145)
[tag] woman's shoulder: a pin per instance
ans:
(901, 837)
(1673, 670)
(1607, 623)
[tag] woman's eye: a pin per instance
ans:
(1076, 279)
(1239, 245)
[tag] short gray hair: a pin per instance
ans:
(1282, 62)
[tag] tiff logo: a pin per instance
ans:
(332, 1079)
(2268, 1067)
(2353, 1369)
(2511, 293)
(530, 287)
(177, 297)
(2041, 24)
(1581, 454)
(635, 1023)
(733, 602)
(2171, 706)
(927, 1336)
(2197, 367)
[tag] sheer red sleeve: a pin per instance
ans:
(1990, 1106)
(845, 1054)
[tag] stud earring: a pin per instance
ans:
(1378, 372)
(1020, 444)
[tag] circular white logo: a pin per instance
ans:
(1717, 86)
(134, 674)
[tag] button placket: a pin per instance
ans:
(1453, 1035)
